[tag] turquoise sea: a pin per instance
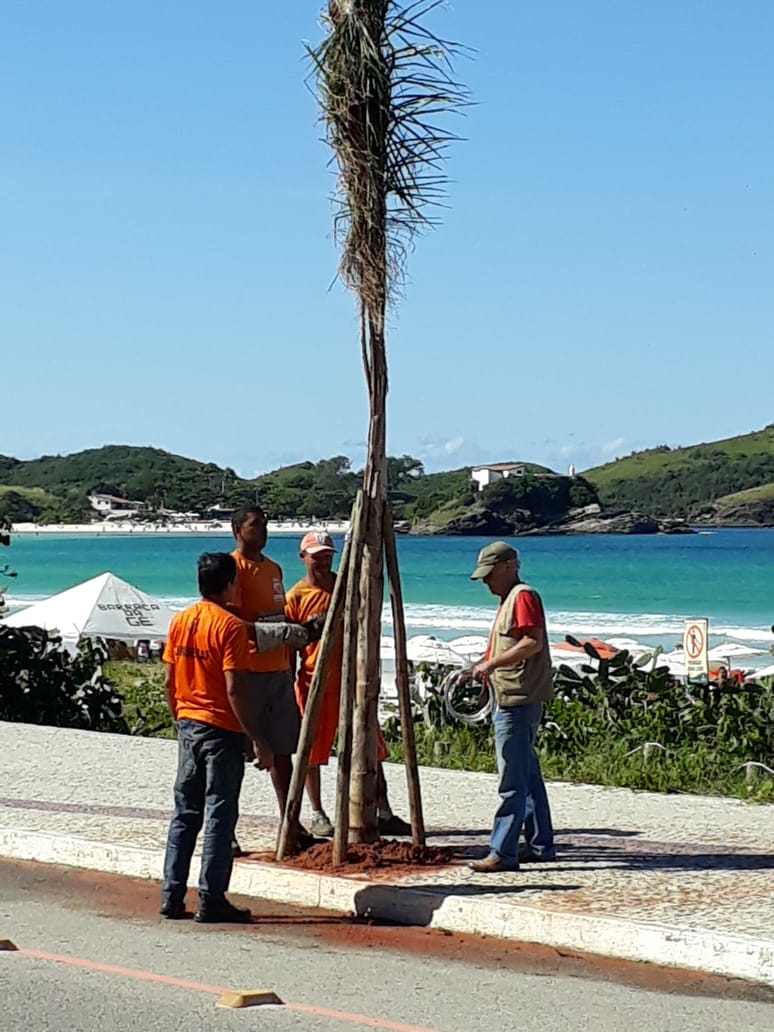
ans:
(642, 587)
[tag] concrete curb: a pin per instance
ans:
(449, 908)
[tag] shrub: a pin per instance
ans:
(42, 683)
(144, 698)
(621, 725)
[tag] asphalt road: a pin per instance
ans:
(92, 955)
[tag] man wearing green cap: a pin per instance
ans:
(517, 665)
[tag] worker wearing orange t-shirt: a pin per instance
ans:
(206, 662)
(260, 599)
(308, 601)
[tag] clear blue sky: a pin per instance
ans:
(603, 280)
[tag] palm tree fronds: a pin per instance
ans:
(385, 84)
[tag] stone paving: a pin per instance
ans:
(687, 864)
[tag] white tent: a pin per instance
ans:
(103, 607)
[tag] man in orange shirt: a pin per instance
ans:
(259, 599)
(309, 601)
(206, 659)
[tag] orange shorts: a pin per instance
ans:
(328, 726)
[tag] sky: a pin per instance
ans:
(602, 280)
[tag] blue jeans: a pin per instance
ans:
(210, 767)
(523, 794)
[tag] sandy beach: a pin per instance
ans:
(216, 527)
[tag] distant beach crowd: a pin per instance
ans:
(219, 527)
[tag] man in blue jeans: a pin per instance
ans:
(206, 656)
(518, 667)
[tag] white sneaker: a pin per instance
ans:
(320, 826)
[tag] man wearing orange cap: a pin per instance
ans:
(309, 600)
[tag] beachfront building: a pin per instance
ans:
(485, 475)
(109, 506)
(219, 511)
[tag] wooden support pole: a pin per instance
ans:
(348, 681)
(402, 682)
(363, 816)
(289, 829)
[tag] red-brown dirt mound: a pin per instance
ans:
(397, 857)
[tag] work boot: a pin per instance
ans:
(305, 840)
(526, 856)
(393, 825)
(492, 864)
(172, 909)
(221, 911)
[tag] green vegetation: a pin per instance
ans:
(683, 482)
(621, 727)
(141, 689)
(27, 504)
(625, 727)
(765, 493)
(56, 488)
(42, 683)
(548, 496)
(730, 480)
(144, 474)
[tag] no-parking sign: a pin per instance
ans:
(695, 648)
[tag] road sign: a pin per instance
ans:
(695, 649)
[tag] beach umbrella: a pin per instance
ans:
(768, 671)
(387, 647)
(574, 660)
(732, 650)
(426, 648)
(471, 646)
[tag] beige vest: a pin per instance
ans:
(530, 681)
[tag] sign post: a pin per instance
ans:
(695, 649)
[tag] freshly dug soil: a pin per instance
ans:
(385, 857)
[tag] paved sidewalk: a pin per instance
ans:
(678, 880)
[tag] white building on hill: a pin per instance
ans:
(485, 475)
(110, 505)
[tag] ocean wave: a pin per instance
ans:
(449, 621)
(459, 619)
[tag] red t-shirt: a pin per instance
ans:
(528, 616)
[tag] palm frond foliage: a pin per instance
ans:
(386, 87)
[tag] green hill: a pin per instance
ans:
(685, 482)
(25, 504)
(146, 474)
(56, 487)
(751, 508)
(700, 483)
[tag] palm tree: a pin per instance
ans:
(385, 86)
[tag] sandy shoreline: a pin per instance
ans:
(126, 527)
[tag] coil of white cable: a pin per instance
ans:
(453, 684)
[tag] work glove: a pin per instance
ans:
(314, 628)
(270, 636)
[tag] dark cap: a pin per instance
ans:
(490, 556)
